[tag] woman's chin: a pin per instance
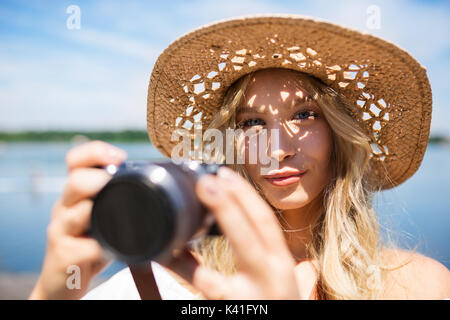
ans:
(288, 204)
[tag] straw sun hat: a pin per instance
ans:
(389, 90)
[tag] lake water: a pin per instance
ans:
(32, 176)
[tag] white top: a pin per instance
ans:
(121, 287)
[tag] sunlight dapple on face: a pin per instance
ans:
(374, 111)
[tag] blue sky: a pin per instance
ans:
(96, 77)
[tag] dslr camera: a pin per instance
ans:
(148, 209)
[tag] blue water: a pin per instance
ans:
(32, 175)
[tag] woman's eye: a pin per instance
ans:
(252, 122)
(305, 114)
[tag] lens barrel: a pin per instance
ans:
(148, 209)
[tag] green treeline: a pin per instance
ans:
(67, 136)
(109, 136)
(439, 140)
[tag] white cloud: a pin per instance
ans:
(108, 41)
(53, 77)
(67, 90)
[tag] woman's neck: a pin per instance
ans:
(299, 224)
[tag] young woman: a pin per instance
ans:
(306, 230)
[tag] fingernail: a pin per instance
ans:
(227, 174)
(210, 186)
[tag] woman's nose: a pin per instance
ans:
(281, 155)
(283, 149)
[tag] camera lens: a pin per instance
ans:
(148, 209)
(132, 219)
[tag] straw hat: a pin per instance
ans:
(388, 88)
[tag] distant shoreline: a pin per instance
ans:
(71, 136)
(128, 136)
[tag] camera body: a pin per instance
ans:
(148, 209)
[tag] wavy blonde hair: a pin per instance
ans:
(345, 242)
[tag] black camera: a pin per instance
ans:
(148, 209)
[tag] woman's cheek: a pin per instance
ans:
(247, 149)
(318, 148)
(315, 151)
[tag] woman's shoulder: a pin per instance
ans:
(412, 275)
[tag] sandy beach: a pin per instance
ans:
(18, 286)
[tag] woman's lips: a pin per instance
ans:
(284, 180)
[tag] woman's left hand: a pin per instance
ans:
(265, 266)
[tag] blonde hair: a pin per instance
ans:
(345, 242)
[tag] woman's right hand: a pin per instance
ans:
(69, 251)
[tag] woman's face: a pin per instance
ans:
(273, 100)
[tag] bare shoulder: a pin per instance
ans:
(411, 275)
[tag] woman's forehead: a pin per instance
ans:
(273, 94)
(274, 78)
(254, 105)
(275, 84)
